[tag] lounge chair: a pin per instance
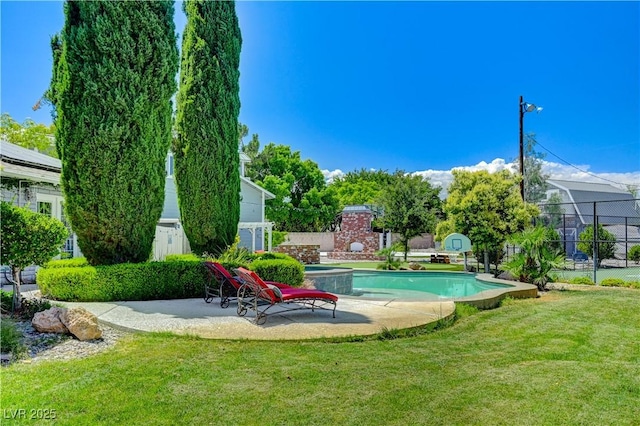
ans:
(260, 296)
(221, 283)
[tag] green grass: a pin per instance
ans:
(570, 357)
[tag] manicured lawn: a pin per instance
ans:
(569, 357)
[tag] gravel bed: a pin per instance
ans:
(53, 346)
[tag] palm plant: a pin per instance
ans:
(537, 257)
(390, 263)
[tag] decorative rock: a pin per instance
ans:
(50, 321)
(81, 323)
(416, 266)
(506, 276)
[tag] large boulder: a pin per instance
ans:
(49, 321)
(81, 323)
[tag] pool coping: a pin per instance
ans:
(486, 299)
(489, 299)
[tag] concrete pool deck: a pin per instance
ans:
(354, 316)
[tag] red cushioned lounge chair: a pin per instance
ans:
(259, 296)
(222, 284)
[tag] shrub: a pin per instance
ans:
(31, 306)
(67, 263)
(286, 271)
(11, 339)
(190, 257)
(634, 254)
(27, 309)
(613, 282)
(272, 255)
(6, 300)
(581, 280)
(634, 284)
(390, 263)
(537, 257)
(141, 281)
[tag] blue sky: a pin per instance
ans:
(418, 86)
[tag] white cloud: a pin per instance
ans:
(443, 178)
(329, 176)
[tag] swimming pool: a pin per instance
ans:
(411, 285)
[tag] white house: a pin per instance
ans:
(32, 179)
(253, 225)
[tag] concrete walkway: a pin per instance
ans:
(195, 317)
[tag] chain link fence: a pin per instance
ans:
(608, 253)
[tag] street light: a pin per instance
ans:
(523, 108)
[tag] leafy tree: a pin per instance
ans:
(253, 147)
(538, 256)
(553, 210)
(112, 86)
(605, 240)
(243, 131)
(303, 202)
(487, 208)
(27, 238)
(535, 181)
(410, 207)
(206, 148)
(29, 134)
(361, 186)
(634, 253)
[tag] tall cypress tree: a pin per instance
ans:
(113, 79)
(206, 147)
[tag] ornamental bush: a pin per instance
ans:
(634, 254)
(126, 281)
(76, 262)
(174, 279)
(286, 271)
(581, 280)
(613, 282)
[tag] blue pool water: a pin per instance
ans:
(418, 285)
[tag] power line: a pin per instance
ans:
(581, 170)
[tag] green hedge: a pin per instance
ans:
(76, 262)
(287, 271)
(581, 280)
(68, 280)
(617, 282)
(127, 281)
(182, 257)
(613, 282)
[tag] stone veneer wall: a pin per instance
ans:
(309, 254)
